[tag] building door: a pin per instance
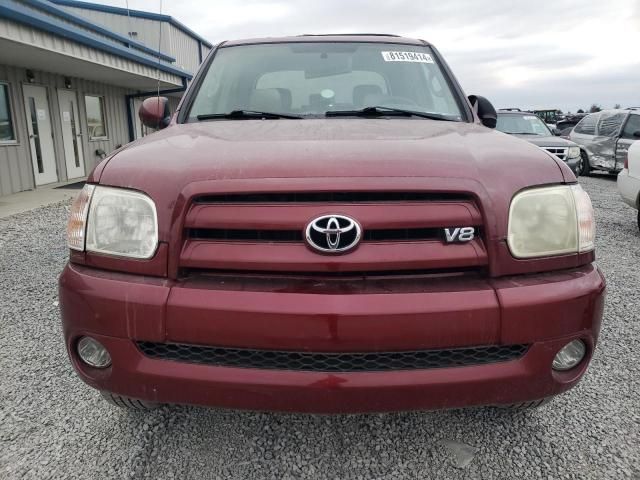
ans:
(74, 159)
(40, 134)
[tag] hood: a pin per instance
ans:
(327, 154)
(547, 140)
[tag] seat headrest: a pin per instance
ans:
(266, 100)
(285, 94)
(360, 92)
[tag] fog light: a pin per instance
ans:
(570, 355)
(93, 353)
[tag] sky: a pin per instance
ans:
(565, 54)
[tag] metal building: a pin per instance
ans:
(72, 76)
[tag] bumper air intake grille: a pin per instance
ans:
(332, 362)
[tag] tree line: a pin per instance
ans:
(596, 108)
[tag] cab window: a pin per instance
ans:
(587, 125)
(522, 125)
(610, 123)
(632, 127)
(311, 79)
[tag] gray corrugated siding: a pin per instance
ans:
(174, 42)
(183, 48)
(65, 21)
(173, 103)
(147, 29)
(16, 172)
(36, 38)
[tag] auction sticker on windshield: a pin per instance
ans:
(407, 57)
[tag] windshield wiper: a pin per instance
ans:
(246, 114)
(377, 111)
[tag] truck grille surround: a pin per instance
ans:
(264, 232)
(258, 242)
(332, 362)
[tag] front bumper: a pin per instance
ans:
(544, 311)
(573, 164)
(629, 188)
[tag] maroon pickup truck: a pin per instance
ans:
(328, 224)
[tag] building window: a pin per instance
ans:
(7, 132)
(95, 117)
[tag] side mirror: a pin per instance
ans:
(154, 112)
(485, 110)
(556, 132)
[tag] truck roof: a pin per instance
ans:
(509, 111)
(341, 37)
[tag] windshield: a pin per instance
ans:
(522, 124)
(311, 79)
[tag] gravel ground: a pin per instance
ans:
(53, 426)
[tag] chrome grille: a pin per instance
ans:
(560, 152)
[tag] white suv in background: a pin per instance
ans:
(629, 178)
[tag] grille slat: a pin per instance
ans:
(332, 362)
(379, 235)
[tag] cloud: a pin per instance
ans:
(565, 53)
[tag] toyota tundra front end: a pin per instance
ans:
(326, 224)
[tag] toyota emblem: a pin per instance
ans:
(333, 233)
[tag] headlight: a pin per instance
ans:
(121, 222)
(573, 152)
(551, 221)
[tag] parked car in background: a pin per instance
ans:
(531, 128)
(604, 138)
(629, 179)
(565, 125)
(550, 116)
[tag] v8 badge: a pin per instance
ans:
(459, 234)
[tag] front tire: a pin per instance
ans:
(527, 405)
(583, 166)
(127, 402)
